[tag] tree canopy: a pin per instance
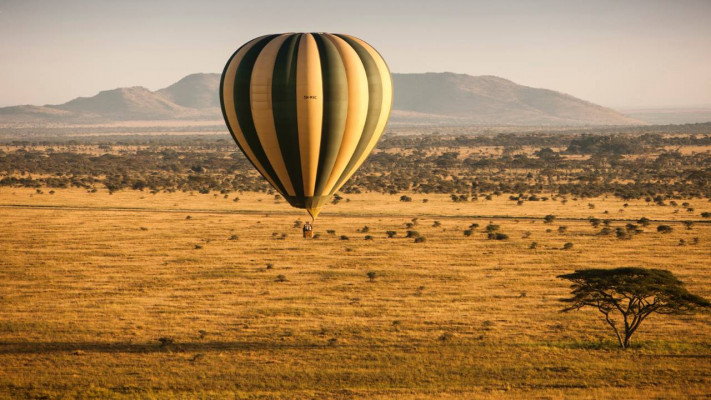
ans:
(633, 293)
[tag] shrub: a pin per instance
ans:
(562, 229)
(468, 232)
(664, 229)
(412, 234)
(364, 229)
(371, 275)
(548, 219)
(492, 228)
(704, 214)
(330, 231)
(391, 234)
(497, 236)
(473, 226)
(234, 237)
(420, 239)
(436, 224)
(281, 278)
(688, 224)
(567, 246)
(644, 221)
(533, 245)
(605, 231)
(595, 222)
(405, 199)
(526, 235)
(368, 237)
(344, 237)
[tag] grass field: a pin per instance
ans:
(135, 295)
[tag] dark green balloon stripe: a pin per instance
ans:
(243, 81)
(375, 102)
(284, 109)
(335, 109)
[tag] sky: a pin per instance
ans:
(618, 53)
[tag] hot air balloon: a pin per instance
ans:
(306, 109)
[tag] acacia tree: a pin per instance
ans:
(630, 295)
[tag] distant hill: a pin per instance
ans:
(429, 98)
(494, 100)
(194, 91)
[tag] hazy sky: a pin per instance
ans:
(619, 53)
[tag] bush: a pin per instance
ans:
(371, 275)
(492, 228)
(688, 224)
(436, 224)
(497, 236)
(562, 229)
(281, 278)
(412, 234)
(391, 234)
(420, 239)
(368, 237)
(405, 199)
(473, 226)
(664, 229)
(567, 246)
(468, 232)
(549, 218)
(644, 221)
(704, 214)
(533, 245)
(344, 237)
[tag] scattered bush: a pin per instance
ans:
(497, 236)
(664, 229)
(492, 228)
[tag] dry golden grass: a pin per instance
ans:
(89, 284)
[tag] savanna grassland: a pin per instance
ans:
(170, 271)
(172, 295)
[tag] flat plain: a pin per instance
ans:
(179, 295)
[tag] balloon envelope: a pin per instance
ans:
(306, 109)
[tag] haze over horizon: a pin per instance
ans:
(624, 55)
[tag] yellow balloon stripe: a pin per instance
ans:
(357, 108)
(385, 113)
(262, 112)
(231, 114)
(309, 106)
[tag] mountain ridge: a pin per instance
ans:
(420, 98)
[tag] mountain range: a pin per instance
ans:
(424, 98)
